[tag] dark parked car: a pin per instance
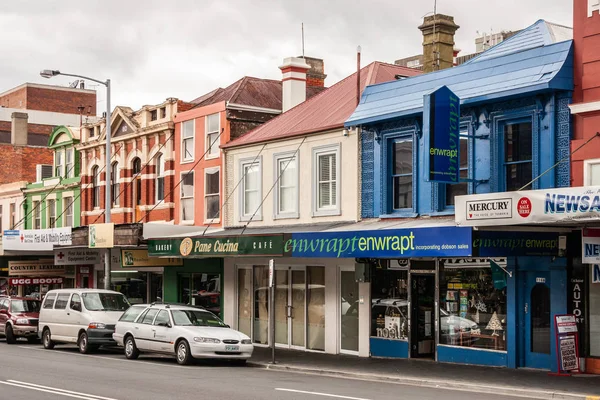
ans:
(19, 318)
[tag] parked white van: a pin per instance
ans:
(86, 317)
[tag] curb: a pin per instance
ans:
(430, 383)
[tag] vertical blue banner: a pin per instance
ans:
(441, 129)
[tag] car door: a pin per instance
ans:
(74, 313)
(59, 321)
(162, 329)
(144, 330)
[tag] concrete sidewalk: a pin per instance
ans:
(500, 381)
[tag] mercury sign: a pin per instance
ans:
(441, 122)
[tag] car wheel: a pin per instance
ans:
(84, 345)
(10, 335)
(131, 350)
(183, 352)
(47, 339)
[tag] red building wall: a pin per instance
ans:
(49, 98)
(17, 163)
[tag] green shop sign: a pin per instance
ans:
(269, 245)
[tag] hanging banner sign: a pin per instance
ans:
(251, 245)
(36, 239)
(441, 123)
(385, 243)
(590, 241)
(139, 258)
(101, 236)
(565, 205)
(34, 281)
(77, 257)
(39, 268)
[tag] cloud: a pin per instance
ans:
(155, 49)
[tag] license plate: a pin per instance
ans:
(232, 348)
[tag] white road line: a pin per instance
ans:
(320, 394)
(60, 390)
(81, 396)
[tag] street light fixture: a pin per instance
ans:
(49, 73)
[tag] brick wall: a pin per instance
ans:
(50, 99)
(18, 162)
(15, 99)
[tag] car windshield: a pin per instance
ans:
(19, 306)
(105, 302)
(196, 318)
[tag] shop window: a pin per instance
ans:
(133, 285)
(472, 308)
(261, 305)
(402, 174)
(315, 328)
(245, 301)
(594, 313)
(460, 189)
(518, 156)
(187, 196)
(389, 312)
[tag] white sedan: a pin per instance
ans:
(184, 331)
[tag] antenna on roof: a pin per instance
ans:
(73, 85)
(303, 40)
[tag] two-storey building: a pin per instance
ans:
(433, 299)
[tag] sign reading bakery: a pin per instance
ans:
(565, 205)
(34, 281)
(34, 268)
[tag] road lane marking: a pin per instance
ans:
(320, 394)
(82, 396)
(60, 390)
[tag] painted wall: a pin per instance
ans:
(199, 163)
(549, 116)
(349, 179)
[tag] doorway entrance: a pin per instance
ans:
(422, 315)
(536, 318)
(348, 311)
(290, 307)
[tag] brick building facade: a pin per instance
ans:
(58, 99)
(142, 162)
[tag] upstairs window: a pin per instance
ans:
(51, 210)
(58, 163)
(402, 174)
(69, 166)
(68, 211)
(518, 156)
(211, 193)
(95, 187)
(251, 172)
(460, 189)
(37, 215)
(287, 186)
(13, 215)
(115, 178)
(153, 115)
(212, 136)
(326, 180)
(163, 112)
(1, 226)
(187, 196)
(137, 183)
(187, 140)
(160, 178)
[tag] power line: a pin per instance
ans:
(273, 186)
(233, 191)
(181, 180)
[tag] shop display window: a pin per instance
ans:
(472, 308)
(389, 312)
(594, 320)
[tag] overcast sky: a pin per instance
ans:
(154, 49)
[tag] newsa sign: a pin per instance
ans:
(566, 205)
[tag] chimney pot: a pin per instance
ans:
(438, 42)
(293, 82)
(18, 129)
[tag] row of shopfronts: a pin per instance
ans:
(482, 294)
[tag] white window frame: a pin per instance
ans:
(217, 150)
(277, 158)
(317, 152)
(59, 168)
(181, 198)
(218, 194)
(587, 170)
(12, 215)
(50, 208)
(191, 139)
(243, 164)
(160, 173)
(66, 206)
(70, 168)
(37, 214)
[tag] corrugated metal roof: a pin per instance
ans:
(327, 110)
(545, 67)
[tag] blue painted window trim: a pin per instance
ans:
(499, 122)
(387, 140)
(466, 124)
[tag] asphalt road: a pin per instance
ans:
(30, 372)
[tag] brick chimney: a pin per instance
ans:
(316, 74)
(293, 82)
(18, 129)
(438, 42)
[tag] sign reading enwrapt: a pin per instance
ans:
(565, 205)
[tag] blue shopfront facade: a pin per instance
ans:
(514, 128)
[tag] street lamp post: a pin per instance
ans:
(49, 73)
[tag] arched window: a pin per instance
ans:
(95, 187)
(137, 182)
(114, 181)
(160, 178)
